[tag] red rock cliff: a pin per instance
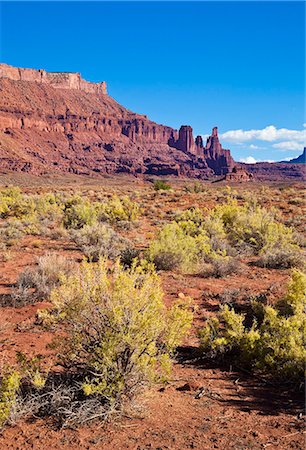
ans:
(59, 80)
(60, 122)
(217, 158)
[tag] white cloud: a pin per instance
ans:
(267, 134)
(289, 158)
(248, 160)
(254, 147)
(289, 145)
(252, 160)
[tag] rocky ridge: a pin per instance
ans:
(60, 122)
(301, 159)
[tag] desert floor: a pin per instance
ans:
(203, 405)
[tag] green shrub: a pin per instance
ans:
(160, 185)
(79, 212)
(195, 223)
(191, 221)
(210, 239)
(186, 245)
(274, 341)
(15, 204)
(118, 210)
(195, 188)
(119, 334)
(252, 226)
(9, 386)
(48, 208)
(173, 249)
(100, 240)
(295, 297)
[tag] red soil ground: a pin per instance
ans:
(202, 406)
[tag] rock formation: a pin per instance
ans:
(59, 80)
(239, 175)
(275, 171)
(217, 158)
(299, 160)
(59, 122)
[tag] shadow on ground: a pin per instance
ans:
(246, 391)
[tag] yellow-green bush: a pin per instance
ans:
(79, 212)
(190, 241)
(160, 185)
(191, 221)
(49, 207)
(9, 386)
(15, 204)
(118, 331)
(173, 248)
(198, 236)
(118, 210)
(273, 343)
(252, 226)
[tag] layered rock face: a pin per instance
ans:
(59, 80)
(276, 171)
(239, 175)
(218, 158)
(60, 122)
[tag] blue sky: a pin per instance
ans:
(236, 65)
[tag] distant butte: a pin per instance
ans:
(59, 122)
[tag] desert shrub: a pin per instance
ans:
(10, 232)
(160, 185)
(78, 212)
(195, 223)
(15, 204)
(295, 297)
(186, 244)
(61, 398)
(281, 258)
(20, 389)
(100, 240)
(173, 249)
(119, 334)
(48, 208)
(224, 232)
(117, 210)
(191, 221)
(273, 342)
(128, 255)
(219, 266)
(9, 385)
(38, 282)
(30, 370)
(195, 188)
(252, 226)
